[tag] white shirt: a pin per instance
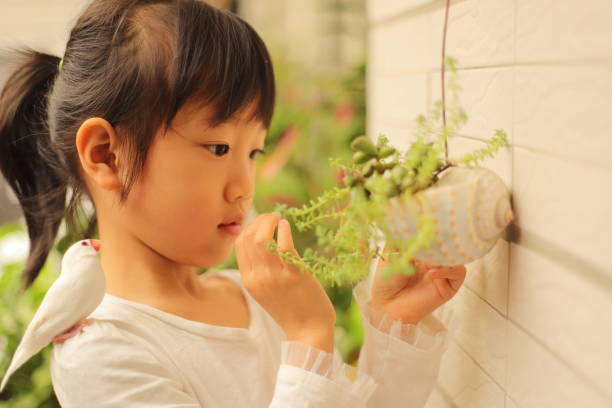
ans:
(134, 355)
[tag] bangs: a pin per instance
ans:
(222, 63)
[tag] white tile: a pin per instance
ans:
(552, 30)
(465, 383)
(396, 102)
(401, 47)
(566, 206)
(480, 32)
(566, 310)
(482, 334)
(486, 97)
(382, 9)
(488, 276)
(538, 379)
(564, 110)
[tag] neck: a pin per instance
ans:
(137, 272)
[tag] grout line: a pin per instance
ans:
(512, 148)
(503, 316)
(411, 12)
(587, 163)
(586, 381)
(592, 63)
(588, 271)
(583, 162)
(482, 369)
(445, 396)
(513, 400)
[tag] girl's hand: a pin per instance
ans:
(411, 298)
(296, 300)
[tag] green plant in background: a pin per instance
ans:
(347, 219)
(31, 385)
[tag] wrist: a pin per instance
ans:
(322, 340)
(400, 315)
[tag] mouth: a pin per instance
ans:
(232, 228)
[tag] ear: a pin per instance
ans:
(96, 143)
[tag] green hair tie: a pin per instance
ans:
(60, 64)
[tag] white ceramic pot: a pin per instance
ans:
(470, 207)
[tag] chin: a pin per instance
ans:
(210, 260)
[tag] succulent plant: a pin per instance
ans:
(350, 219)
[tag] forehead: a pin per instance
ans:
(199, 117)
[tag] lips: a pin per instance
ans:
(235, 220)
(232, 228)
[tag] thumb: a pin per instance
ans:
(285, 240)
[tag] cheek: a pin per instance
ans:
(177, 212)
(177, 182)
(179, 229)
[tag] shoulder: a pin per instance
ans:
(100, 342)
(106, 354)
(116, 332)
(109, 366)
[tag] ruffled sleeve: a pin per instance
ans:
(403, 358)
(310, 377)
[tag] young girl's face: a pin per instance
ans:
(194, 179)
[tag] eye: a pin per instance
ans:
(259, 151)
(224, 148)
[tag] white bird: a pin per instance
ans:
(62, 313)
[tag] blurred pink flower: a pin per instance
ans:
(340, 177)
(344, 113)
(281, 153)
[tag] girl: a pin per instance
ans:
(155, 115)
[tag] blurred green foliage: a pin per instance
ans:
(30, 386)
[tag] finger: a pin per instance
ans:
(285, 239)
(252, 226)
(418, 262)
(259, 251)
(245, 265)
(444, 289)
(245, 253)
(265, 230)
(454, 272)
(455, 275)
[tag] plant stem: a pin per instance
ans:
(443, 72)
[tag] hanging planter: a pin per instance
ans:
(421, 203)
(470, 209)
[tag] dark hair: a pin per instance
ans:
(134, 63)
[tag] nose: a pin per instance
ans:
(241, 183)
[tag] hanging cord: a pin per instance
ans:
(443, 72)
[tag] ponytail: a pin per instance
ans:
(28, 160)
